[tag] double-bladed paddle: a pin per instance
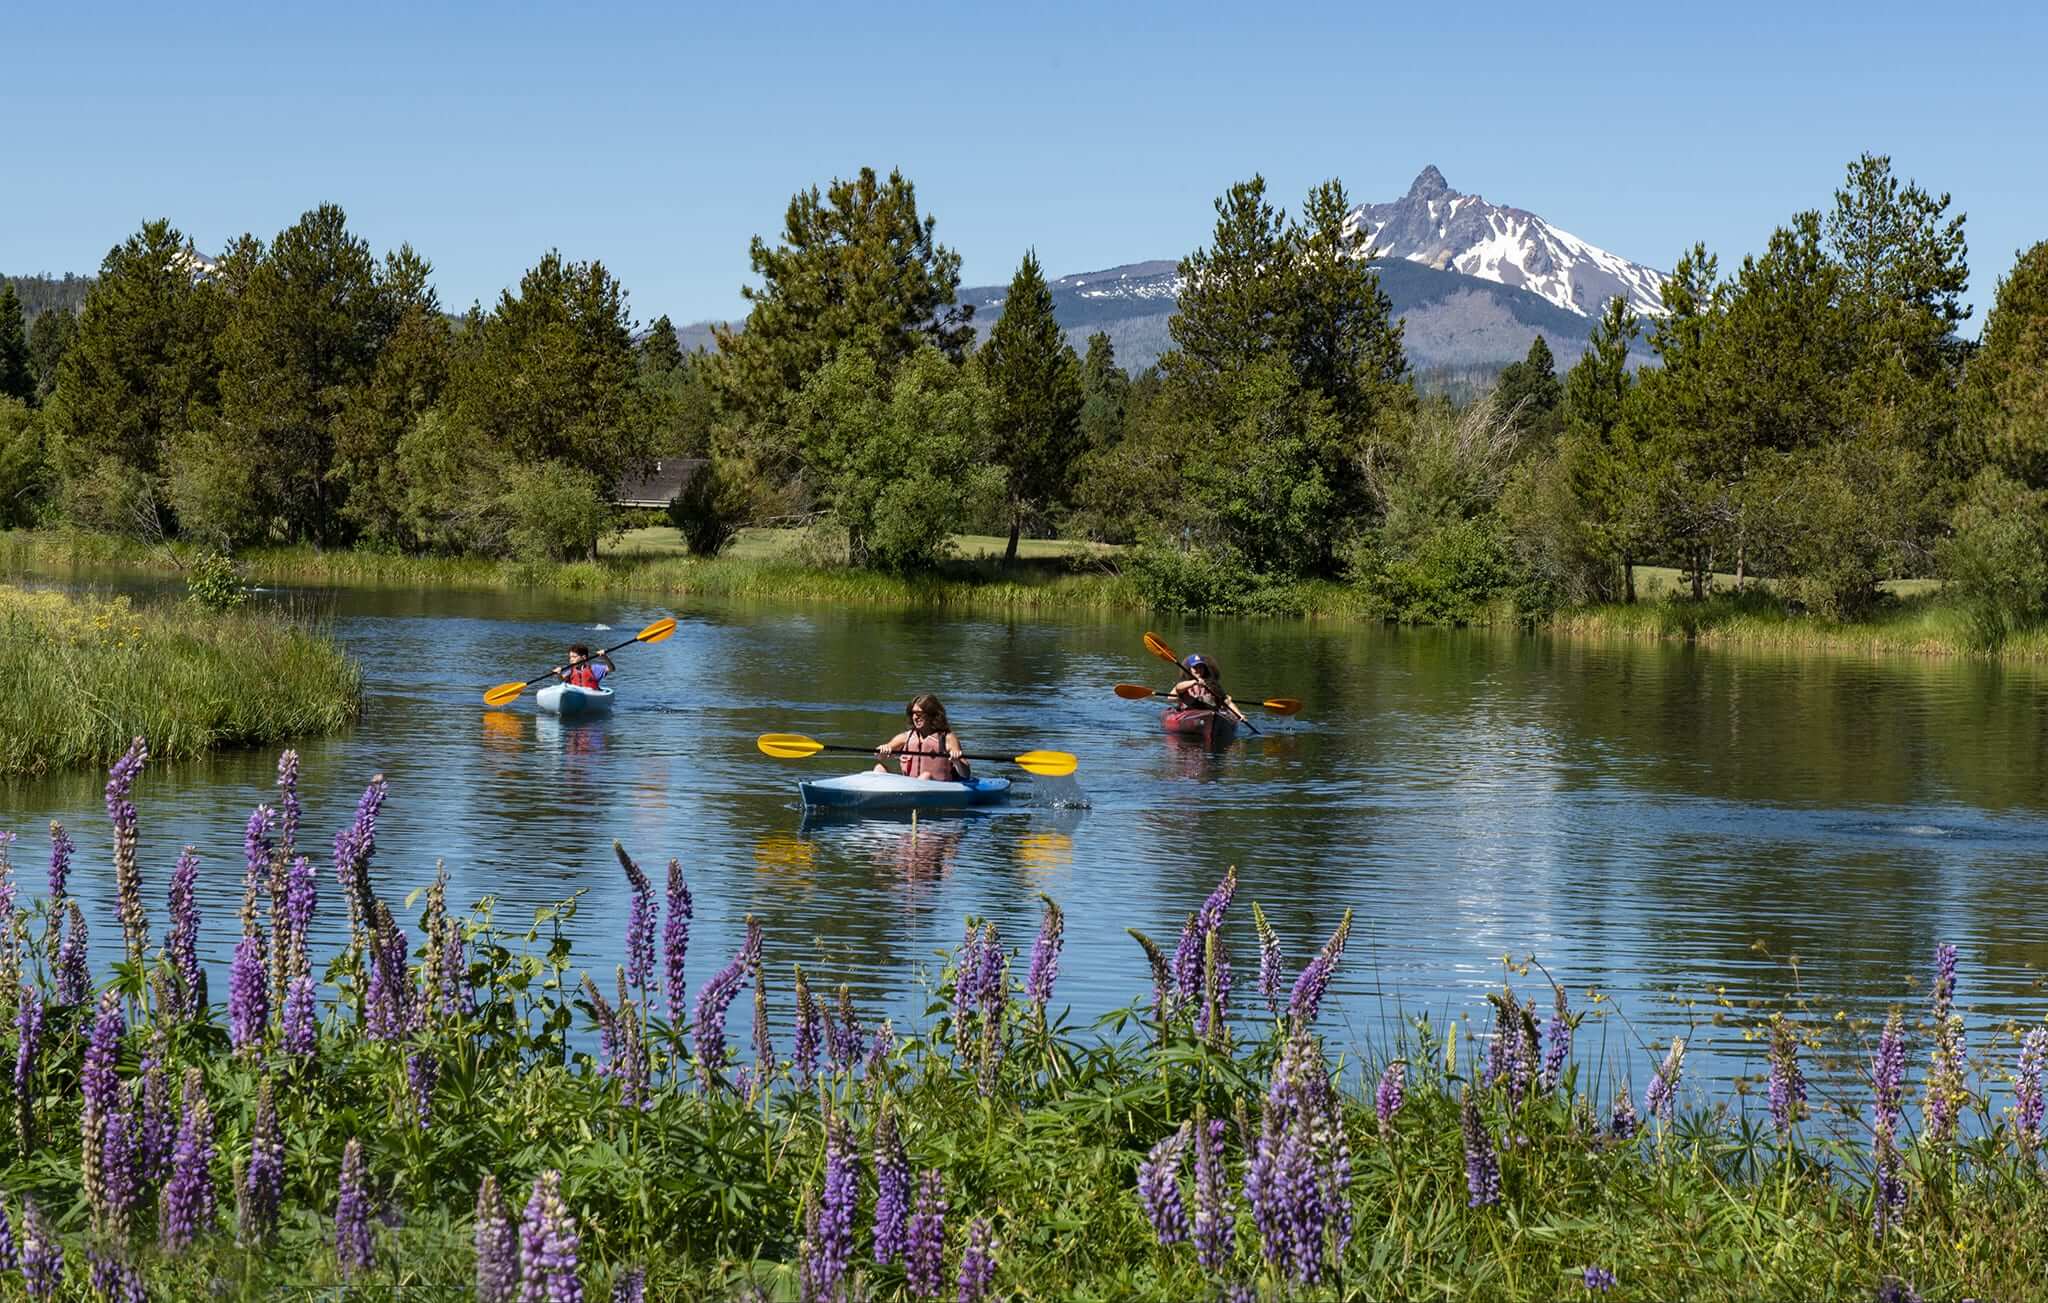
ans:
(1138, 692)
(506, 693)
(795, 746)
(1166, 653)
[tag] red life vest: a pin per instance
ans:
(929, 761)
(582, 676)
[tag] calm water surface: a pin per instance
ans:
(1674, 828)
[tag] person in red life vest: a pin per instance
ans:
(1202, 689)
(928, 748)
(583, 669)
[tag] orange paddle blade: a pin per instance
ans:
(504, 694)
(1134, 691)
(788, 746)
(657, 631)
(1160, 649)
(1281, 705)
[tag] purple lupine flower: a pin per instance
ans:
(157, 1120)
(455, 998)
(633, 1065)
(10, 1259)
(1888, 1185)
(1045, 959)
(1598, 1279)
(1662, 1093)
(548, 1246)
(764, 1044)
(992, 971)
(422, 1074)
(640, 924)
(804, 1056)
(844, 1041)
(892, 1189)
(301, 899)
(188, 1201)
(257, 853)
(113, 1278)
(1214, 1223)
(248, 994)
(6, 877)
(1945, 1087)
(715, 999)
(74, 978)
(1482, 1169)
(1944, 992)
(1159, 1187)
(42, 1254)
(120, 1181)
(977, 1261)
(62, 848)
(388, 1014)
(288, 802)
(98, 1081)
(262, 1190)
(28, 1038)
(966, 973)
(300, 1033)
(1888, 1072)
(924, 1255)
(630, 1286)
(2026, 1088)
(1299, 1169)
(353, 1250)
(127, 876)
(1389, 1095)
(1194, 937)
(675, 941)
(1622, 1124)
(1215, 987)
(1559, 1034)
(1306, 999)
(181, 943)
(1788, 1083)
(354, 846)
(878, 1052)
(497, 1246)
(828, 1242)
(1271, 961)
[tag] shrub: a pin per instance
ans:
(710, 510)
(1996, 560)
(214, 583)
(556, 512)
(1449, 575)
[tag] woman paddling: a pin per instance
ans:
(1203, 688)
(928, 748)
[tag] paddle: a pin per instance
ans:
(506, 693)
(1138, 692)
(1165, 653)
(795, 746)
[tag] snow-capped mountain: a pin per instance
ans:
(1438, 227)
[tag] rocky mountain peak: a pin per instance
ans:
(1430, 184)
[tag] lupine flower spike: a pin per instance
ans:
(1159, 1187)
(497, 1246)
(353, 1249)
(892, 1189)
(548, 1246)
(924, 1256)
(127, 875)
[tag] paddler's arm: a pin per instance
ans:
(1231, 706)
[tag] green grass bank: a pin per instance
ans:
(93, 673)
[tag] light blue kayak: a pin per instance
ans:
(572, 702)
(876, 791)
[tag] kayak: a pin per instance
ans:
(1210, 726)
(572, 702)
(875, 791)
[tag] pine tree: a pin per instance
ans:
(49, 338)
(661, 351)
(17, 375)
(1600, 452)
(1034, 384)
(857, 265)
(1105, 394)
(1529, 390)
(2006, 386)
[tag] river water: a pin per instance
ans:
(1688, 832)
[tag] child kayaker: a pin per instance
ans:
(585, 670)
(928, 748)
(1203, 688)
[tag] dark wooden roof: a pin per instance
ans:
(662, 484)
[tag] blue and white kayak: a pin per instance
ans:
(572, 702)
(881, 791)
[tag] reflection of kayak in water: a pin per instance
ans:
(1210, 726)
(873, 791)
(573, 702)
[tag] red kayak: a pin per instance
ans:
(1212, 727)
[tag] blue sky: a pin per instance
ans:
(660, 138)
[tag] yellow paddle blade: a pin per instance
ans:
(1134, 691)
(1052, 764)
(504, 694)
(1281, 705)
(1160, 649)
(788, 746)
(657, 631)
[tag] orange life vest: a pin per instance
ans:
(920, 761)
(582, 675)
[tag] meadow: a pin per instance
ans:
(447, 1108)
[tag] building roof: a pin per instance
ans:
(662, 484)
